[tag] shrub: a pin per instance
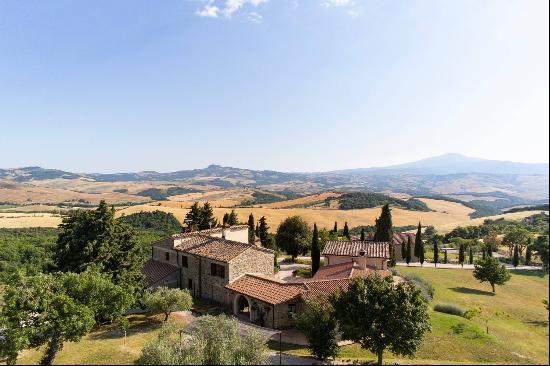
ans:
(449, 309)
(425, 286)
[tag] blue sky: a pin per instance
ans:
(292, 85)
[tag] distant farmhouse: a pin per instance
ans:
(220, 265)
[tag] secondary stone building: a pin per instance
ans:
(221, 266)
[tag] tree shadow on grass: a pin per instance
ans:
(537, 323)
(114, 332)
(472, 291)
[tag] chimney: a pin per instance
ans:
(224, 231)
(362, 260)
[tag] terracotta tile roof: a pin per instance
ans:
(266, 289)
(154, 271)
(399, 238)
(200, 243)
(353, 248)
(325, 287)
(345, 270)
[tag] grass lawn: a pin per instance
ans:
(105, 345)
(518, 322)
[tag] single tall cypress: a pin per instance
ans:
(335, 230)
(263, 231)
(516, 256)
(471, 261)
(362, 234)
(408, 256)
(384, 231)
(251, 236)
(445, 258)
(315, 251)
(346, 231)
(489, 250)
(461, 255)
(403, 250)
(436, 252)
(418, 241)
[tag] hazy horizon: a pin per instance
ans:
(286, 85)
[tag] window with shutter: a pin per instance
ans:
(213, 269)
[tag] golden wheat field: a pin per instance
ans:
(300, 201)
(21, 220)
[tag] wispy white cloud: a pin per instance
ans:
(332, 3)
(255, 17)
(213, 8)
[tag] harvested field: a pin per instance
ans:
(21, 220)
(307, 200)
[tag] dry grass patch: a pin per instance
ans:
(12, 220)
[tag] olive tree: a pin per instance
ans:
(166, 300)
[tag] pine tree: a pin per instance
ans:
(251, 236)
(471, 261)
(461, 255)
(207, 219)
(263, 231)
(515, 261)
(528, 254)
(362, 234)
(418, 241)
(346, 231)
(315, 251)
(436, 252)
(408, 255)
(194, 216)
(233, 218)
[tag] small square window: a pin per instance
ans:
(221, 271)
(167, 254)
(213, 269)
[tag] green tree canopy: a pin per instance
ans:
(381, 315)
(263, 232)
(516, 236)
(490, 270)
(541, 247)
(166, 300)
(293, 236)
(418, 241)
(318, 323)
(251, 234)
(56, 308)
(95, 238)
(346, 231)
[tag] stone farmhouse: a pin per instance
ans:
(220, 265)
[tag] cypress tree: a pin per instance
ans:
(471, 261)
(528, 254)
(461, 255)
(403, 250)
(263, 231)
(489, 250)
(225, 218)
(418, 241)
(207, 218)
(445, 258)
(346, 231)
(483, 254)
(436, 252)
(315, 251)
(384, 231)
(362, 234)
(408, 256)
(516, 256)
(335, 230)
(251, 236)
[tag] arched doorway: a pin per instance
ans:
(242, 307)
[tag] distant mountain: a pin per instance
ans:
(447, 174)
(455, 164)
